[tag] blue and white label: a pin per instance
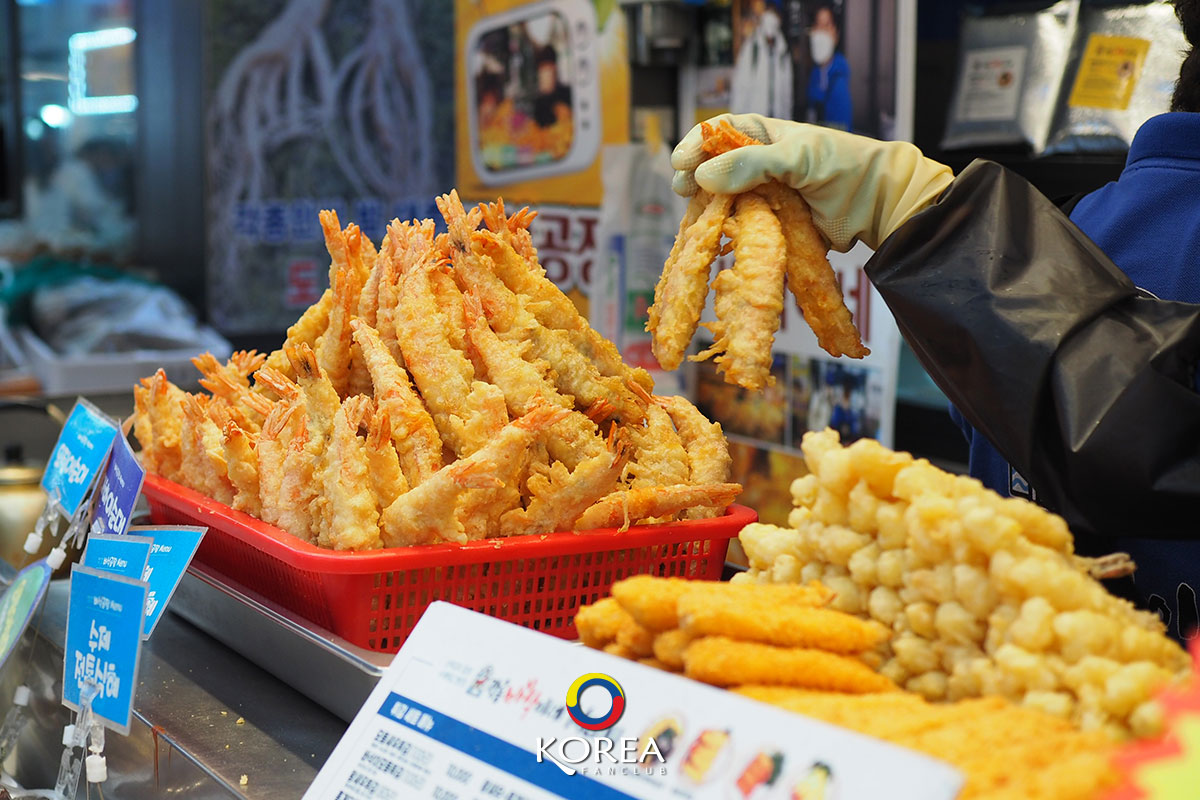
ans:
(105, 615)
(79, 454)
(126, 556)
(119, 488)
(170, 555)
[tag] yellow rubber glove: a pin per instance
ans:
(859, 188)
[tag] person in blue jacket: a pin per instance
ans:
(1148, 223)
(1069, 345)
(828, 99)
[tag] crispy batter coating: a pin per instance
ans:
(782, 625)
(704, 442)
(669, 647)
(810, 276)
(636, 639)
(597, 624)
(721, 661)
(242, 462)
(647, 503)
(678, 305)
(749, 297)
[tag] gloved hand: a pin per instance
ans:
(859, 188)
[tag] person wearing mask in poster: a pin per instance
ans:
(828, 98)
(1069, 344)
(762, 69)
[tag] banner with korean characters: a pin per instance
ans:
(80, 452)
(105, 618)
(119, 488)
(497, 710)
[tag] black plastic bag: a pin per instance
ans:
(1084, 383)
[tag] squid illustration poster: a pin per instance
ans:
(541, 88)
(316, 104)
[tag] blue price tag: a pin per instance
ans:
(105, 615)
(170, 555)
(121, 555)
(78, 455)
(119, 487)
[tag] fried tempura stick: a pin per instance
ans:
(636, 639)
(809, 274)
(680, 300)
(781, 625)
(653, 602)
(654, 502)
(708, 452)
(749, 297)
(721, 661)
(810, 277)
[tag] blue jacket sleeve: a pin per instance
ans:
(1085, 384)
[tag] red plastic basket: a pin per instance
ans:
(374, 598)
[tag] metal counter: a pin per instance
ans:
(186, 739)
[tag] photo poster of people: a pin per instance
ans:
(845, 64)
(542, 87)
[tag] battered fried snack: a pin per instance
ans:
(781, 625)
(749, 297)
(598, 624)
(438, 348)
(669, 647)
(983, 594)
(721, 661)
(810, 278)
(773, 236)
(653, 602)
(636, 639)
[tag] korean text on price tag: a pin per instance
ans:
(121, 555)
(170, 555)
(119, 487)
(105, 615)
(79, 454)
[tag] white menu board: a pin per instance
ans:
(473, 708)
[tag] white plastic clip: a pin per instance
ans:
(68, 736)
(97, 769)
(21, 696)
(33, 543)
(56, 558)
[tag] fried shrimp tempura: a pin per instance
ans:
(703, 441)
(749, 297)
(649, 503)
(781, 625)
(721, 661)
(677, 308)
(242, 462)
(353, 515)
(810, 277)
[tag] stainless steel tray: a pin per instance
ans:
(315, 662)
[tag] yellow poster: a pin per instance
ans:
(542, 86)
(1109, 72)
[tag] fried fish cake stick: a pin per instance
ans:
(749, 297)
(781, 625)
(636, 639)
(678, 306)
(721, 661)
(669, 647)
(597, 624)
(653, 602)
(653, 502)
(810, 277)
